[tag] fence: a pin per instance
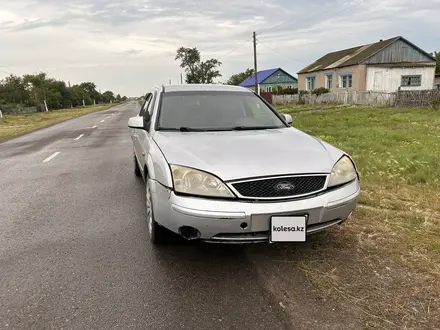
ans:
(400, 98)
(418, 98)
(17, 111)
(352, 97)
(284, 99)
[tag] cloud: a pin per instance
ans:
(129, 46)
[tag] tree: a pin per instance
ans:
(236, 79)
(34, 89)
(90, 89)
(197, 71)
(13, 90)
(437, 56)
(108, 97)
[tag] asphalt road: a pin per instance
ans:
(74, 249)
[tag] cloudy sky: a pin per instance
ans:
(129, 46)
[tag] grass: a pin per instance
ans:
(15, 125)
(386, 261)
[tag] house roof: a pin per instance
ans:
(262, 76)
(353, 56)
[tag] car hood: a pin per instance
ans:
(234, 155)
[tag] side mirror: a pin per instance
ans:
(136, 122)
(288, 118)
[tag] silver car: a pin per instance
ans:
(221, 165)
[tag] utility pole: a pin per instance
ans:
(181, 79)
(255, 64)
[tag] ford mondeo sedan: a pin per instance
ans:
(220, 164)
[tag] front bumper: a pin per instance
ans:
(223, 221)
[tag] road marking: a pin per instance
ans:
(94, 126)
(102, 120)
(79, 137)
(48, 159)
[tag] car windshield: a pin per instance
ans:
(215, 111)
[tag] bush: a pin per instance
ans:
(280, 90)
(320, 91)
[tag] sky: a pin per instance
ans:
(129, 46)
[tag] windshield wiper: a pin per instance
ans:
(190, 129)
(219, 129)
(250, 128)
(182, 129)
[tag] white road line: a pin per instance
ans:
(102, 120)
(48, 159)
(94, 126)
(79, 137)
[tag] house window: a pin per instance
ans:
(409, 81)
(328, 81)
(347, 81)
(310, 83)
(269, 89)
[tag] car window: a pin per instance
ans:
(151, 104)
(144, 107)
(215, 110)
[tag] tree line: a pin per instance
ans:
(34, 89)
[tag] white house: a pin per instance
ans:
(383, 66)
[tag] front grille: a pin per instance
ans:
(281, 187)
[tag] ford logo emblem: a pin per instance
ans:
(284, 186)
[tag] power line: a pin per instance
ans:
(232, 51)
(277, 51)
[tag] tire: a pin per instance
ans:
(137, 170)
(157, 233)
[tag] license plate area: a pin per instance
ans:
(288, 229)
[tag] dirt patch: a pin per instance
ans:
(305, 306)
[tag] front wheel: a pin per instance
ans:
(156, 232)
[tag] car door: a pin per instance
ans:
(144, 137)
(136, 132)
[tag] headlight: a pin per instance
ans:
(190, 181)
(343, 172)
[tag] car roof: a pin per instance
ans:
(204, 87)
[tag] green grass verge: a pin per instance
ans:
(386, 261)
(15, 125)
